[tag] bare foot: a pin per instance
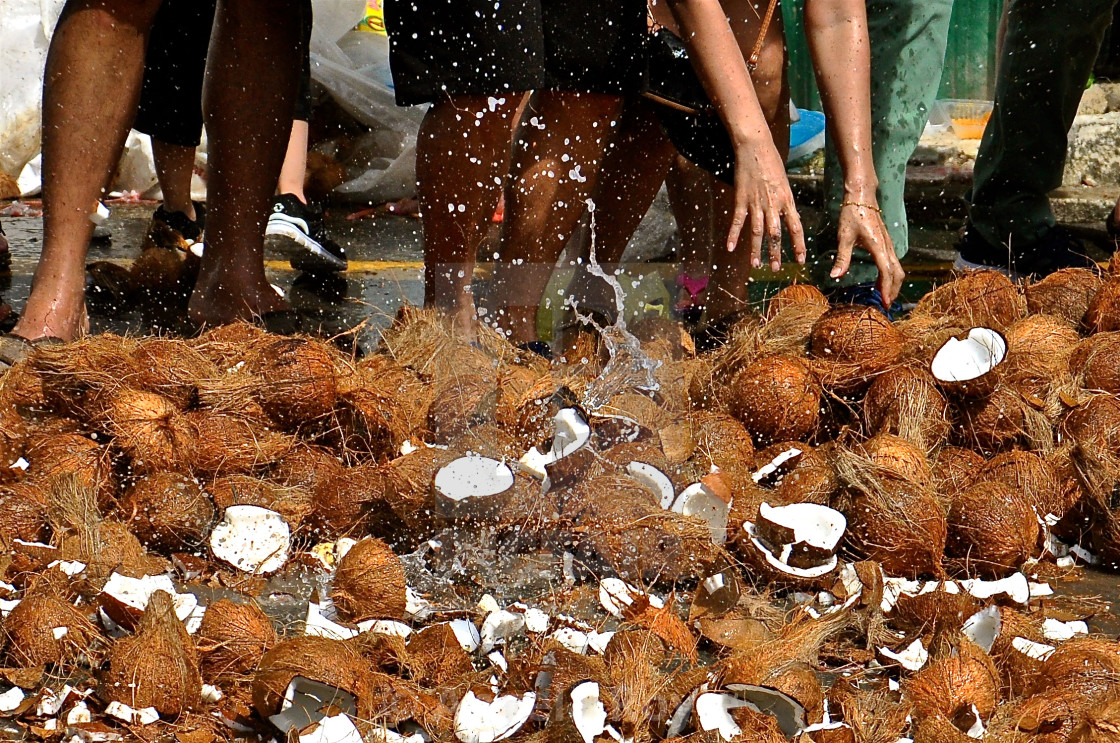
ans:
(224, 299)
(54, 313)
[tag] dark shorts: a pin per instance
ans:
(171, 94)
(442, 48)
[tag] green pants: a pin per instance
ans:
(908, 39)
(1048, 55)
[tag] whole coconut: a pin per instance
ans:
(232, 639)
(143, 428)
(171, 367)
(951, 685)
(900, 455)
(305, 467)
(1003, 421)
(71, 454)
(985, 299)
(1103, 314)
(300, 383)
(905, 401)
(795, 294)
(1096, 362)
(340, 505)
(851, 345)
(1095, 423)
(32, 636)
(370, 583)
(437, 656)
(75, 376)
(460, 403)
(955, 468)
(1032, 475)
(228, 345)
(21, 517)
(168, 512)
(13, 442)
(157, 666)
(1038, 350)
(292, 503)
(992, 529)
(777, 398)
(216, 444)
(409, 480)
(1064, 294)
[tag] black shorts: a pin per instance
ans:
(441, 48)
(171, 94)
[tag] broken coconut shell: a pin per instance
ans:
(332, 662)
(157, 666)
(167, 512)
(851, 345)
(370, 583)
(232, 640)
(992, 529)
(777, 398)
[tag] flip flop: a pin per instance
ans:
(15, 348)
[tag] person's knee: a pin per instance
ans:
(107, 16)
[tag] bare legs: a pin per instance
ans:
(294, 170)
(251, 81)
(174, 168)
(462, 156)
(555, 168)
(96, 55)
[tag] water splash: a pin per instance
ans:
(629, 367)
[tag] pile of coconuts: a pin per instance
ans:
(834, 528)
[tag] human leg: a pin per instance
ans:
(908, 39)
(251, 82)
(555, 168)
(294, 169)
(174, 169)
(1048, 54)
(96, 56)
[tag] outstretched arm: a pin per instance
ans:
(762, 192)
(836, 31)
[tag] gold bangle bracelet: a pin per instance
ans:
(861, 206)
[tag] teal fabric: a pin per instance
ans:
(908, 39)
(1048, 55)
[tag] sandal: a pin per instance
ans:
(16, 348)
(691, 309)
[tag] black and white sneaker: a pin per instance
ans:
(297, 230)
(1055, 250)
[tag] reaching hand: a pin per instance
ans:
(762, 194)
(861, 224)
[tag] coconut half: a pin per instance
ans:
(123, 599)
(477, 721)
(655, 480)
(965, 366)
(253, 539)
(713, 709)
(500, 626)
(767, 553)
(471, 485)
(808, 533)
(708, 502)
(588, 713)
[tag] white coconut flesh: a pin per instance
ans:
(913, 657)
(702, 502)
(805, 526)
(789, 713)
(588, 713)
(572, 432)
(778, 564)
(317, 625)
(500, 626)
(336, 729)
(776, 464)
(1055, 629)
(1031, 649)
(653, 479)
(252, 539)
(534, 463)
(983, 628)
(473, 477)
(713, 712)
(615, 595)
(124, 599)
(477, 721)
(304, 700)
(466, 634)
(965, 360)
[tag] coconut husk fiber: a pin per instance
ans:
(1101, 724)
(228, 345)
(144, 428)
(13, 442)
(370, 583)
(70, 454)
(459, 403)
(900, 455)
(636, 537)
(409, 480)
(1081, 657)
(786, 332)
(341, 505)
(216, 444)
(106, 547)
(809, 478)
(1064, 295)
(294, 504)
(985, 299)
(1094, 424)
(29, 633)
(992, 529)
(1096, 363)
(305, 467)
(1103, 313)
(22, 517)
(1003, 421)
(795, 294)
(851, 345)
(299, 384)
(424, 341)
(964, 678)
(332, 662)
(1038, 352)
(77, 375)
(1032, 475)
(905, 401)
(167, 512)
(876, 714)
(435, 656)
(892, 520)
(232, 639)
(171, 367)
(777, 398)
(157, 666)
(955, 468)
(924, 335)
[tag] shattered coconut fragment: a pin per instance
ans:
(615, 595)
(123, 599)
(477, 721)
(708, 500)
(470, 485)
(252, 539)
(912, 658)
